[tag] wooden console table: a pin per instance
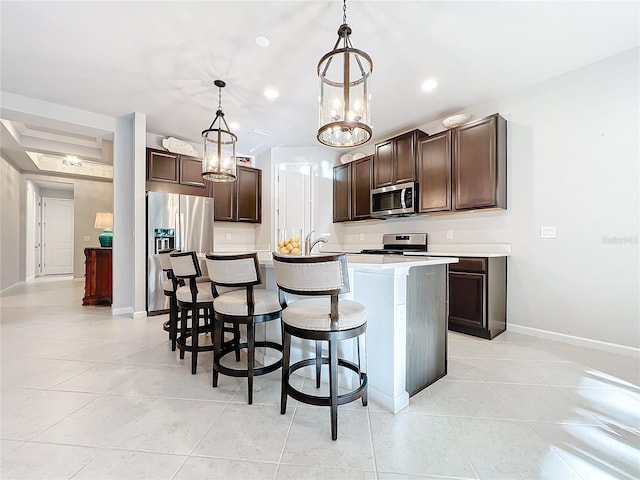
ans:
(98, 278)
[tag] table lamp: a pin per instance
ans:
(105, 221)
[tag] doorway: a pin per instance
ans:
(57, 236)
(293, 198)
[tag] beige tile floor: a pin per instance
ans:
(86, 395)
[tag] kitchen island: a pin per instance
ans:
(406, 339)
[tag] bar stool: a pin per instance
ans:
(192, 298)
(236, 301)
(329, 319)
(169, 291)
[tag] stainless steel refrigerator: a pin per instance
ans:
(184, 222)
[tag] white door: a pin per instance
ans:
(293, 203)
(57, 221)
(37, 251)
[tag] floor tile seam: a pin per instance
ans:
(498, 419)
(371, 439)
(286, 437)
(489, 382)
(208, 429)
(107, 447)
(510, 359)
(161, 397)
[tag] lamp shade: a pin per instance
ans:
(104, 220)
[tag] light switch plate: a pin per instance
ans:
(548, 232)
(449, 234)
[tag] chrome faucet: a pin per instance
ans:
(308, 244)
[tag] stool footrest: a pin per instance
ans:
(325, 401)
(231, 347)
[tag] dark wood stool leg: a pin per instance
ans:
(286, 354)
(183, 329)
(318, 362)
(173, 321)
(333, 384)
(360, 375)
(218, 333)
(236, 339)
(251, 351)
(195, 321)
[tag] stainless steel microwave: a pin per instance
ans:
(400, 199)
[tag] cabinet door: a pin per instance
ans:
(383, 164)
(434, 173)
(191, 172)
(405, 158)
(224, 200)
(467, 300)
(342, 193)
(162, 166)
(249, 195)
(479, 161)
(361, 179)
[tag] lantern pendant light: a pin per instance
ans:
(219, 145)
(344, 74)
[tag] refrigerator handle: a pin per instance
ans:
(179, 234)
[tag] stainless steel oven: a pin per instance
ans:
(395, 200)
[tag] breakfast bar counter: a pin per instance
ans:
(406, 339)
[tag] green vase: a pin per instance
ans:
(106, 238)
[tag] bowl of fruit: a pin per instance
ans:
(290, 242)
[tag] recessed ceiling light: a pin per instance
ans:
(429, 84)
(262, 41)
(271, 93)
(234, 125)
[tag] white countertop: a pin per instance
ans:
(381, 262)
(458, 254)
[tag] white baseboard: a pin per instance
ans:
(141, 314)
(11, 286)
(122, 311)
(573, 340)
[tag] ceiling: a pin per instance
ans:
(161, 58)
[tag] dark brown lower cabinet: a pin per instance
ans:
(98, 276)
(478, 296)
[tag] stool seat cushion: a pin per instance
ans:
(313, 314)
(183, 294)
(235, 303)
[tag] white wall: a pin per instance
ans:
(573, 162)
(12, 188)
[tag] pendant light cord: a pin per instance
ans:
(344, 11)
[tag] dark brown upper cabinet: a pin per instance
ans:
(342, 193)
(395, 159)
(480, 164)
(352, 190)
(241, 200)
(249, 194)
(162, 166)
(174, 173)
(434, 173)
(361, 181)
(191, 172)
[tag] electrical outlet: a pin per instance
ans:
(228, 236)
(548, 232)
(449, 234)
(362, 236)
(86, 238)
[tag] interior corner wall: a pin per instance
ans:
(12, 260)
(573, 162)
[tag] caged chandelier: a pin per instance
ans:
(219, 145)
(344, 73)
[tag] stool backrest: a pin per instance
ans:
(313, 275)
(185, 265)
(233, 270)
(164, 258)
